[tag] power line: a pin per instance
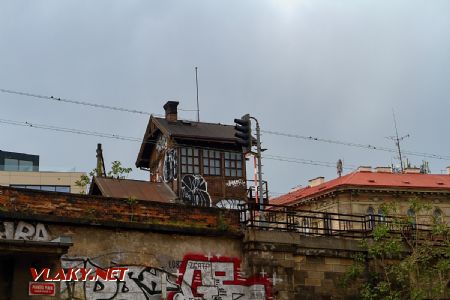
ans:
(85, 103)
(297, 136)
(71, 130)
(364, 146)
(134, 139)
(306, 161)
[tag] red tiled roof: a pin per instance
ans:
(369, 179)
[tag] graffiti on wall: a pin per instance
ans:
(140, 283)
(230, 203)
(215, 277)
(235, 183)
(23, 231)
(194, 191)
(200, 277)
(161, 144)
(170, 165)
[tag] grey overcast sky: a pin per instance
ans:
(332, 69)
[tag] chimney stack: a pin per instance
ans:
(448, 170)
(316, 181)
(412, 170)
(171, 110)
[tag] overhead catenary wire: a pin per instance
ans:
(84, 103)
(135, 139)
(351, 144)
(279, 133)
(308, 161)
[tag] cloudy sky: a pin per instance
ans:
(330, 69)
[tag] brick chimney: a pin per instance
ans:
(171, 110)
(316, 181)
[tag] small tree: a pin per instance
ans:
(117, 172)
(83, 183)
(404, 261)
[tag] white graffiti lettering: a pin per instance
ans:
(23, 231)
(235, 183)
(230, 203)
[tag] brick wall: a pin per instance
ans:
(101, 211)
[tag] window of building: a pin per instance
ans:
(25, 165)
(190, 161)
(327, 224)
(412, 217)
(437, 214)
(50, 188)
(233, 164)
(12, 164)
(306, 225)
(212, 163)
(371, 217)
(381, 215)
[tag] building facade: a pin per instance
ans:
(201, 162)
(21, 170)
(18, 162)
(367, 192)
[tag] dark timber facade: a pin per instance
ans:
(201, 162)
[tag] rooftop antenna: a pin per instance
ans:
(397, 141)
(196, 84)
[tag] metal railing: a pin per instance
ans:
(321, 223)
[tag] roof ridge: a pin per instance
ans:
(193, 121)
(124, 179)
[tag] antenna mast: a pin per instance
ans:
(397, 141)
(196, 84)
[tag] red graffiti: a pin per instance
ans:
(216, 277)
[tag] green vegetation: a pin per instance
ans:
(117, 172)
(221, 223)
(131, 201)
(401, 260)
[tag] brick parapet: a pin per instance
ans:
(114, 212)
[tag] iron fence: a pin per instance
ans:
(321, 223)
